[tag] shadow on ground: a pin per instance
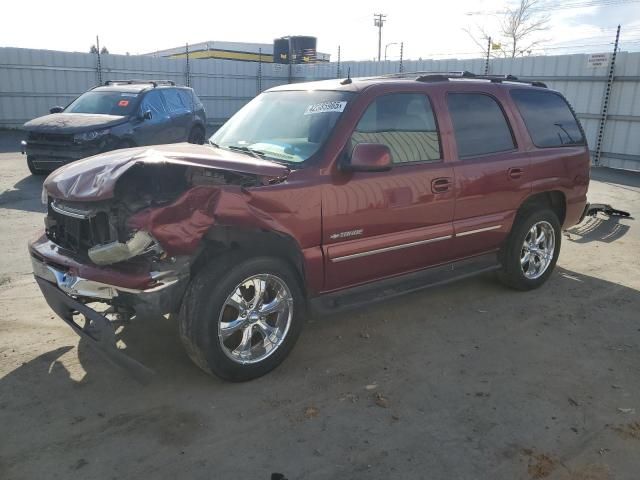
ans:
(10, 140)
(486, 380)
(617, 177)
(25, 195)
(598, 229)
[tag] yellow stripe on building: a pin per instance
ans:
(227, 55)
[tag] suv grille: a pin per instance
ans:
(68, 229)
(50, 139)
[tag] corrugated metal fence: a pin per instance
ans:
(31, 81)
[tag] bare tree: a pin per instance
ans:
(518, 26)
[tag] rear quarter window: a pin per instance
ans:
(548, 118)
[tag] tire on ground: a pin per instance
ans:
(511, 273)
(202, 304)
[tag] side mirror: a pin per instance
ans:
(146, 115)
(56, 109)
(368, 157)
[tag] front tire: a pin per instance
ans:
(33, 169)
(532, 250)
(240, 320)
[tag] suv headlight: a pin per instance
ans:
(90, 136)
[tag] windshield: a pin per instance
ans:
(289, 125)
(105, 103)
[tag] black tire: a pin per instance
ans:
(202, 306)
(32, 168)
(196, 135)
(512, 274)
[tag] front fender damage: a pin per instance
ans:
(180, 227)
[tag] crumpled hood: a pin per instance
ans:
(72, 122)
(95, 178)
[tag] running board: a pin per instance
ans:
(381, 290)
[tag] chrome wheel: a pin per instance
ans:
(537, 251)
(255, 318)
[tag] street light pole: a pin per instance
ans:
(385, 49)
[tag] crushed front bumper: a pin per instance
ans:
(68, 293)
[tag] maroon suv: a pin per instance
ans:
(315, 196)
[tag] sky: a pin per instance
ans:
(427, 29)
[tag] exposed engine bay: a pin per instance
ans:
(113, 230)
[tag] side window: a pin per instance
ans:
(185, 97)
(174, 101)
(548, 118)
(405, 123)
(153, 101)
(479, 124)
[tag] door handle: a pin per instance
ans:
(515, 172)
(441, 185)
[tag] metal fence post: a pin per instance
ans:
(188, 67)
(259, 75)
(605, 102)
(99, 63)
(486, 62)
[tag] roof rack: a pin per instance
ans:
(446, 76)
(155, 83)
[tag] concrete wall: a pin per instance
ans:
(31, 81)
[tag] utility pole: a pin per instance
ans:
(605, 101)
(401, 56)
(378, 21)
(486, 63)
(338, 72)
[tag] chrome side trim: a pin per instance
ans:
(71, 212)
(389, 249)
(479, 230)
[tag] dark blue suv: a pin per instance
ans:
(118, 114)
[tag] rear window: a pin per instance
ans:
(104, 103)
(548, 118)
(479, 124)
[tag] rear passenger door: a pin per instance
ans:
(380, 224)
(180, 112)
(492, 174)
(152, 131)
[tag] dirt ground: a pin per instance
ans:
(466, 381)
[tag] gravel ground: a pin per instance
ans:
(466, 381)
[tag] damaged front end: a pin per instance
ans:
(124, 229)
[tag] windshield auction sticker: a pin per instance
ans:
(325, 107)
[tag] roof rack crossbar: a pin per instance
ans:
(439, 77)
(422, 76)
(135, 81)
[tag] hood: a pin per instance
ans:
(72, 122)
(95, 178)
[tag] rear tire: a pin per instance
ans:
(221, 322)
(196, 136)
(33, 169)
(532, 250)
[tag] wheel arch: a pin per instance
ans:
(555, 200)
(250, 243)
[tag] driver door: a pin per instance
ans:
(380, 224)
